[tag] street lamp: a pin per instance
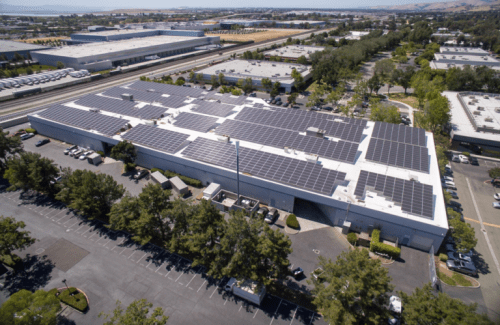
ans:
(64, 281)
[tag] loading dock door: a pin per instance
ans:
(422, 243)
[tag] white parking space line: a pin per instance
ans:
(294, 313)
(256, 313)
(70, 219)
(90, 228)
(172, 269)
(205, 281)
(132, 254)
(123, 250)
(76, 231)
(214, 291)
(77, 221)
(122, 241)
(274, 315)
(483, 230)
(191, 280)
(225, 302)
(142, 257)
(58, 220)
(163, 263)
(107, 242)
(43, 211)
(95, 233)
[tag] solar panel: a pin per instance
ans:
(415, 198)
(195, 122)
(212, 108)
(104, 124)
(398, 154)
(168, 89)
(399, 133)
(124, 107)
(284, 119)
(285, 170)
(21, 113)
(157, 138)
(266, 135)
(226, 98)
(147, 97)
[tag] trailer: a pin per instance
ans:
(246, 289)
(210, 191)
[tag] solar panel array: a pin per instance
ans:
(21, 113)
(414, 197)
(148, 97)
(124, 107)
(104, 124)
(341, 150)
(195, 122)
(161, 139)
(286, 170)
(226, 98)
(300, 122)
(399, 133)
(168, 89)
(212, 108)
(398, 154)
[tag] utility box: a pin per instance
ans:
(127, 97)
(345, 227)
(94, 159)
(178, 185)
(315, 132)
(210, 191)
(159, 178)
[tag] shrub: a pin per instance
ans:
(446, 279)
(31, 130)
(377, 246)
(352, 238)
(494, 172)
(77, 301)
(292, 222)
(465, 153)
(443, 257)
(129, 167)
(156, 170)
(100, 152)
(13, 261)
(461, 280)
(188, 180)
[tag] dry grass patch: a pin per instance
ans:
(407, 99)
(54, 38)
(257, 37)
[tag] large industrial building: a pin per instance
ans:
(228, 23)
(257, 70)
(361, 174)
(10, 48)
(451, 57)
(293, 52)
(129, 49)
(475, 118)
(118, 35)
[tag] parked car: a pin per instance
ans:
(18, 133)
(474, 148)
(455, 158)
(474, 161)
(496, 205)
(271, 215)
(262, 212)
(449, 183)
(462, 267)
(452, 193)
(448, 186)
(285, 104)
(78, 153)
(27, 136)
(42, 142)
(140, 174)
(67, 150)
(297, 272)
(72, 152)
(84, 155)
(454, 208)
(497, 196)
(463, 159)
(455, 256)
(447, 178)
(253, 95)
(75, 153)
(456, 204)
(450, 247)
(315, 108)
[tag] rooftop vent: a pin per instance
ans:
(497, 109)
(477, 113)
(488, 119)
(486, 97)
(127, 97)
(480, 108)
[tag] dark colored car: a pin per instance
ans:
(271, 215)
(42, 142)
(474, 161)
(297, 273)
(456, 204)
(140, 174)
(474, 148)
(462, 267)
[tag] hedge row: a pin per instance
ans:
(377, 246)
(188, 180)
(292, 222)
(31, 130)
(77, 301)
(352, 238)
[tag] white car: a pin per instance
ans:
(450, 183)
(496, 205)
(447, 178)
(455, 158)
(497, 196)
(84, 155)
(464, 159)
(395, 304)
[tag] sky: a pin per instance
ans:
(161, 4)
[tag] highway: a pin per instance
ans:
(63, 94)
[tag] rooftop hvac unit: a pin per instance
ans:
(486, 97)
(472, 97)
(95, 110)
(488, 119)
(480, 108)
(497, 109)
(477, 113)
(127, 97)
(312, 157)
(150, 90)
(223, 138)
(274, 65)
(472, 103)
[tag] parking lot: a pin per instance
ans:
(111, 266)
(475, 193)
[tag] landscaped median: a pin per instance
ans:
(73, 297)
(377, 247)
(452, 278)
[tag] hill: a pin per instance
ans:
(460, 5)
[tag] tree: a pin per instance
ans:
(29, 71)
(222, 80)
(124, 151)
(9, 146)
(267, 84)
(90, 193)
(403, 77)
(374, 83)
(191, 75)
(12, 238)
(423, 306)
(137, 313)
(352, 290)
(31, 171)
(298, 80)
(199, 77)
(276, 89)
(236, 92)
(292, 98)
(463, 234)
(59, 65)
(214, 82)
(316, 96)
(180, 82)
(27, 308)
(383, 113)
(384, 68)
(302, 60)
(250, 249)
(494, 172)
(246, 85)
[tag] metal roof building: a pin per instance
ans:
(475, 58)
(9, 48)
(370, 174)
(293, 52)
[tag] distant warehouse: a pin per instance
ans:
(293, 52)
(458, 57)
(104, 55)
(10, 48)
(118, 35)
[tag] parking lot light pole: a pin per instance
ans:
(64, 281)
(237, 171)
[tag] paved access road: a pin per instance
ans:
(109, 266)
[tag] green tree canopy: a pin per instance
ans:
(352, 290)
(302, 60)
(403, 77)
(12, 237)
(423, 306)
(298, 79)
(375, 83)
(27, 308)
(494, 172)
(90, 193)
(31, 171)
(463, 234)
(124, 151)
(59, 65)
(267, 84)
(384, 113)
(137, 313)
(9, 146)
(384, 68)
(292, 98)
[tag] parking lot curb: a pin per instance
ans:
(291, 231)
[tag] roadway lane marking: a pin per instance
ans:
(483, 230)
(484, 223)
(276, 312)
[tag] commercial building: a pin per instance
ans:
(228, 23)
(360, 174)
(451, 57)
(118, 35)
(182, 25)
(293, 52)
(104, 55)
(475, 118)
(235, 70)
(300, 23)
(10, 48)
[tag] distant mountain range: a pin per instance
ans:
(460, 5)
(45, 9)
